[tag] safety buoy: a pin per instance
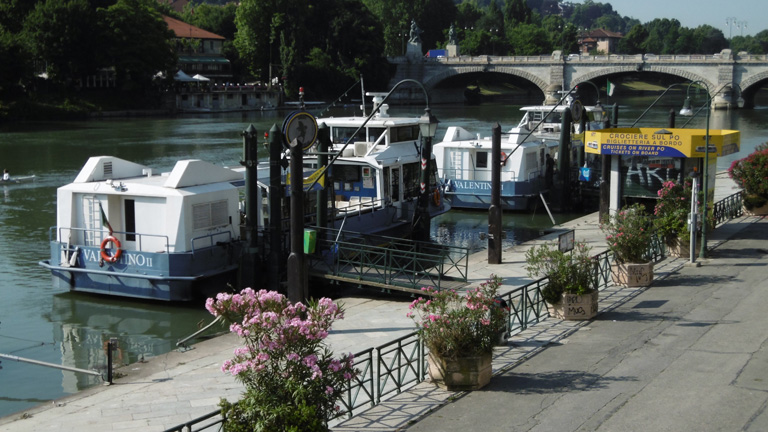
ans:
(107, 257)
(436, 197)
(503, 158)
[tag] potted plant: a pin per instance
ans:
(569, 292)
(460, 331)
(751, 174)
(292, 380)
(628, 235)
(671, 213)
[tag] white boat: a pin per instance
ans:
(374, 184)
(122, 229)
(18, 179)
(464, 159)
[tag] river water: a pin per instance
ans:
(40, 323)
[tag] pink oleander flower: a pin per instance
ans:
(451, 323)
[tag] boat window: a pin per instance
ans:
(482, 159)
(404, 133)
(411, 177)
(554, 118)
(209, 215)
(375, 133)
(130, 220)
(341, 135)
(346, 173)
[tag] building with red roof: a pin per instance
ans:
(200, 51)
(599, 40)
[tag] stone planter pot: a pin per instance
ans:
(575, 306)
(463, 373)
(678, 249)
(632, 274)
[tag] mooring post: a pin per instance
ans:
(275, 250)
(111, 346)
(563, 160)
(495, 210)
(323, 144)
(250, 162)
(297, 273)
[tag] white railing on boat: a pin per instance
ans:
(96, 236)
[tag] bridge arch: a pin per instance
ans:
(435, 79)
(589, 76)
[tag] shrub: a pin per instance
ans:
(572, 273)
(453, 325)
(292, 380)
(628, 234)
(751, 174)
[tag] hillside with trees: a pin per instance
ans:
(48, 47)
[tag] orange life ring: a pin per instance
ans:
(503, 158)
(107, 257)
(436, 197)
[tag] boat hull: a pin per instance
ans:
(475, 194)
(147, 275)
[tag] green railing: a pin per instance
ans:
(728, 208)
(385, 261)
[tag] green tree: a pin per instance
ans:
(633, 42)
(65, 35)
(15, 65)
(289, 33)
(139, 41)
(517, 11)
(216, 19)
(710, 39)
(662, 34)
(14, 12)
(528, 39)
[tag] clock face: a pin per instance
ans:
(576, 109)
(301, 126)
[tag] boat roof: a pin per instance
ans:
(356, 121)
(558, 108)
(186, 173)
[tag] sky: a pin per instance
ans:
(693, 13)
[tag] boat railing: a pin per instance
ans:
(94, 237)
(359, 204)
(481, 174)
(211, 240)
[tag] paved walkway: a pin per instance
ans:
(182, 385)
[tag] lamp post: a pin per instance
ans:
(687, 111)
(730, 22)
(428, 128)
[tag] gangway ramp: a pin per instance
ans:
(387, 262)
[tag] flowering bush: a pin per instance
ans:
(572, 273)
(292, 380)
(672, 211)
(751, 174)
(628, 234)
(454, 325)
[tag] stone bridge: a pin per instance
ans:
(726, 76)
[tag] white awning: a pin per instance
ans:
(201, 78)
(181, 76)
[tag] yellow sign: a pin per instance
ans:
(655, 142)
(311, 179)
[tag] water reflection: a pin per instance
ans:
(83, 324)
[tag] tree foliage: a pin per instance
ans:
(138, 41)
